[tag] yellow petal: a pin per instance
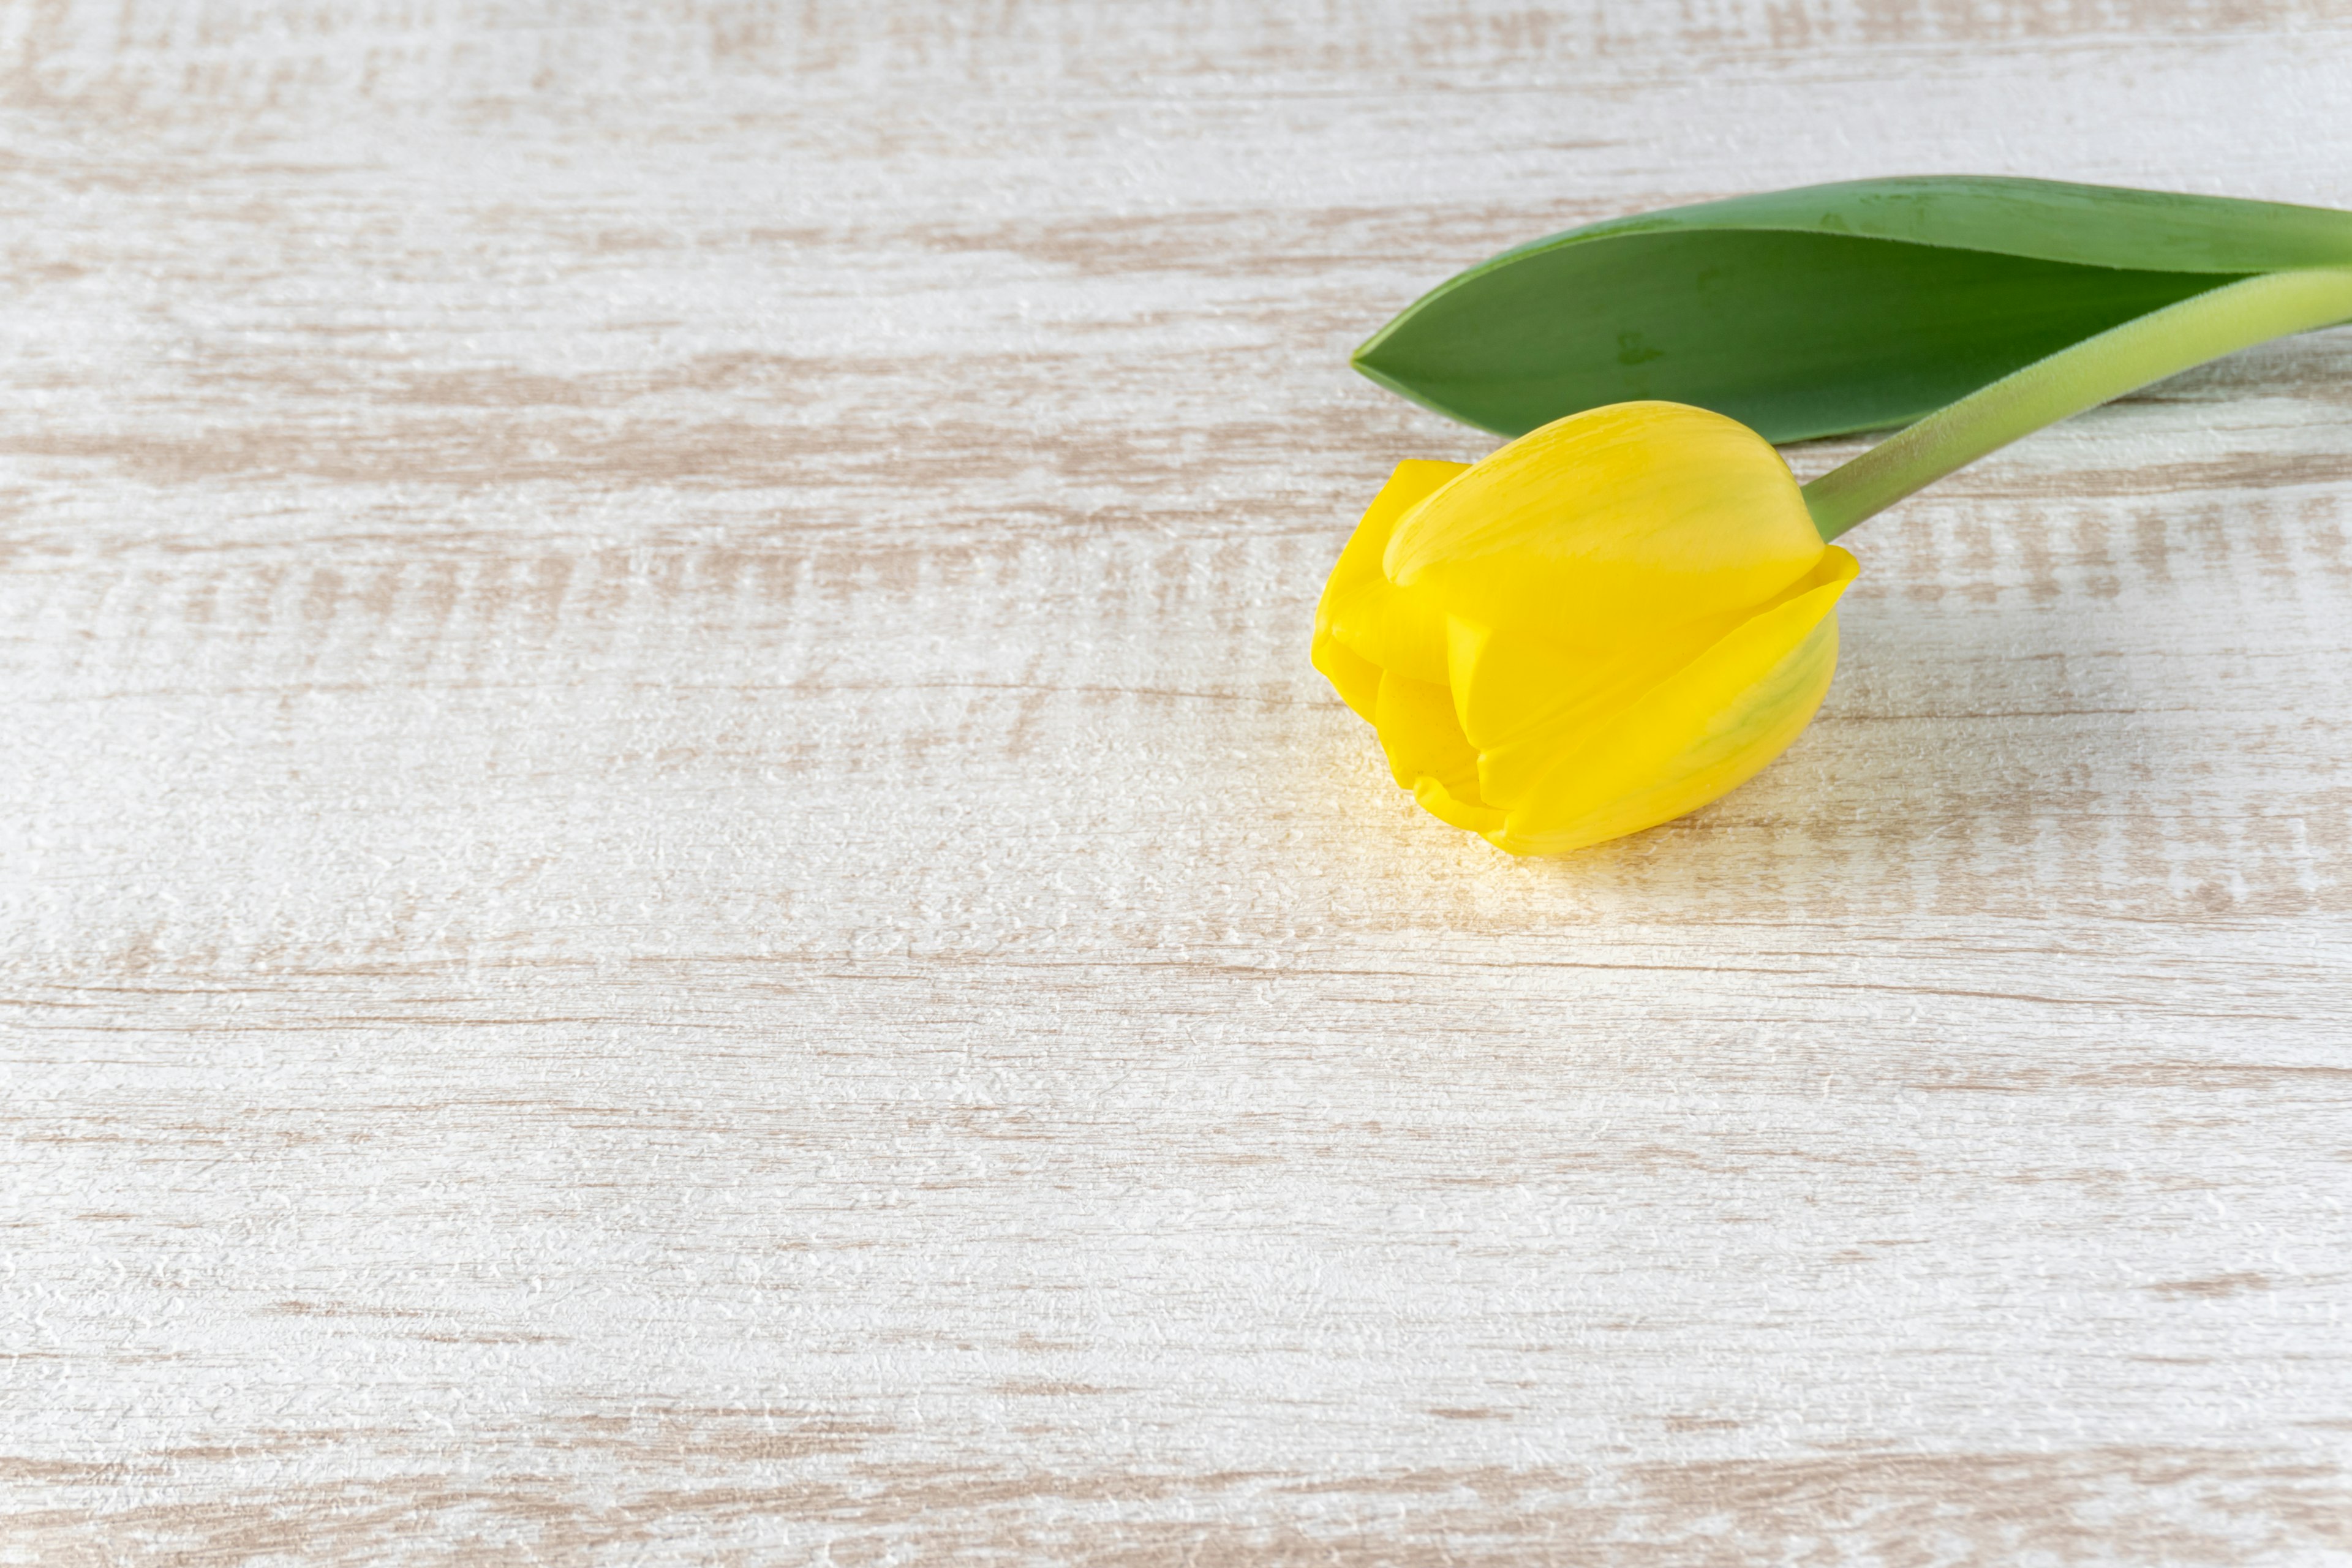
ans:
(1357, 680)
(1412, 481)
(1442, 803)
(1415, 721)
(1398, 629)
(1365, 614)
(1707, 729)
(1610, 525)
(1524, 702)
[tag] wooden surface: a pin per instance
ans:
(675, 892)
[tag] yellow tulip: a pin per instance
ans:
(1612, 621)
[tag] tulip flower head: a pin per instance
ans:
(1609, 622)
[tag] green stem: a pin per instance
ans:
(2161, 344)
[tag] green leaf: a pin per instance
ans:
(1825, 309)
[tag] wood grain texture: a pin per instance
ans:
(673, 888)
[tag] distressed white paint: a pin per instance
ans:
(675, 891)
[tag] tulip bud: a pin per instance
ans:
(1612, 621)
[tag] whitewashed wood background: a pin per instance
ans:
(675, 892)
